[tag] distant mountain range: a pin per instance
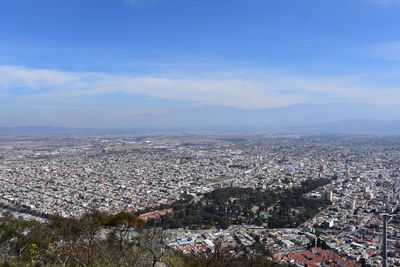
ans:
(313, 118)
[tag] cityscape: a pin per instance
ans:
(188, 133)
(72, 175)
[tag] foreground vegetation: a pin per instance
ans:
(98, 239)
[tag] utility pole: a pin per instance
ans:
(384, 240)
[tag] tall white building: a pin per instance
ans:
(327, 195)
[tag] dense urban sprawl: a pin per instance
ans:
(71, 175)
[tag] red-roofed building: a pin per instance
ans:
(155, 214)
(317, 257)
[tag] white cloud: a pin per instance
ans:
(256, 90)
(232, 91)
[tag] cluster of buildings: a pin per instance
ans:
(198, 241)
(69, 177)
(353, 224)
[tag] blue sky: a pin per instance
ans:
(65, 62)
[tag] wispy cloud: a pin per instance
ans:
(386, 50)
(54, 107)
(386, 3)
(141, 3)
(231, 91)
(257, 90)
